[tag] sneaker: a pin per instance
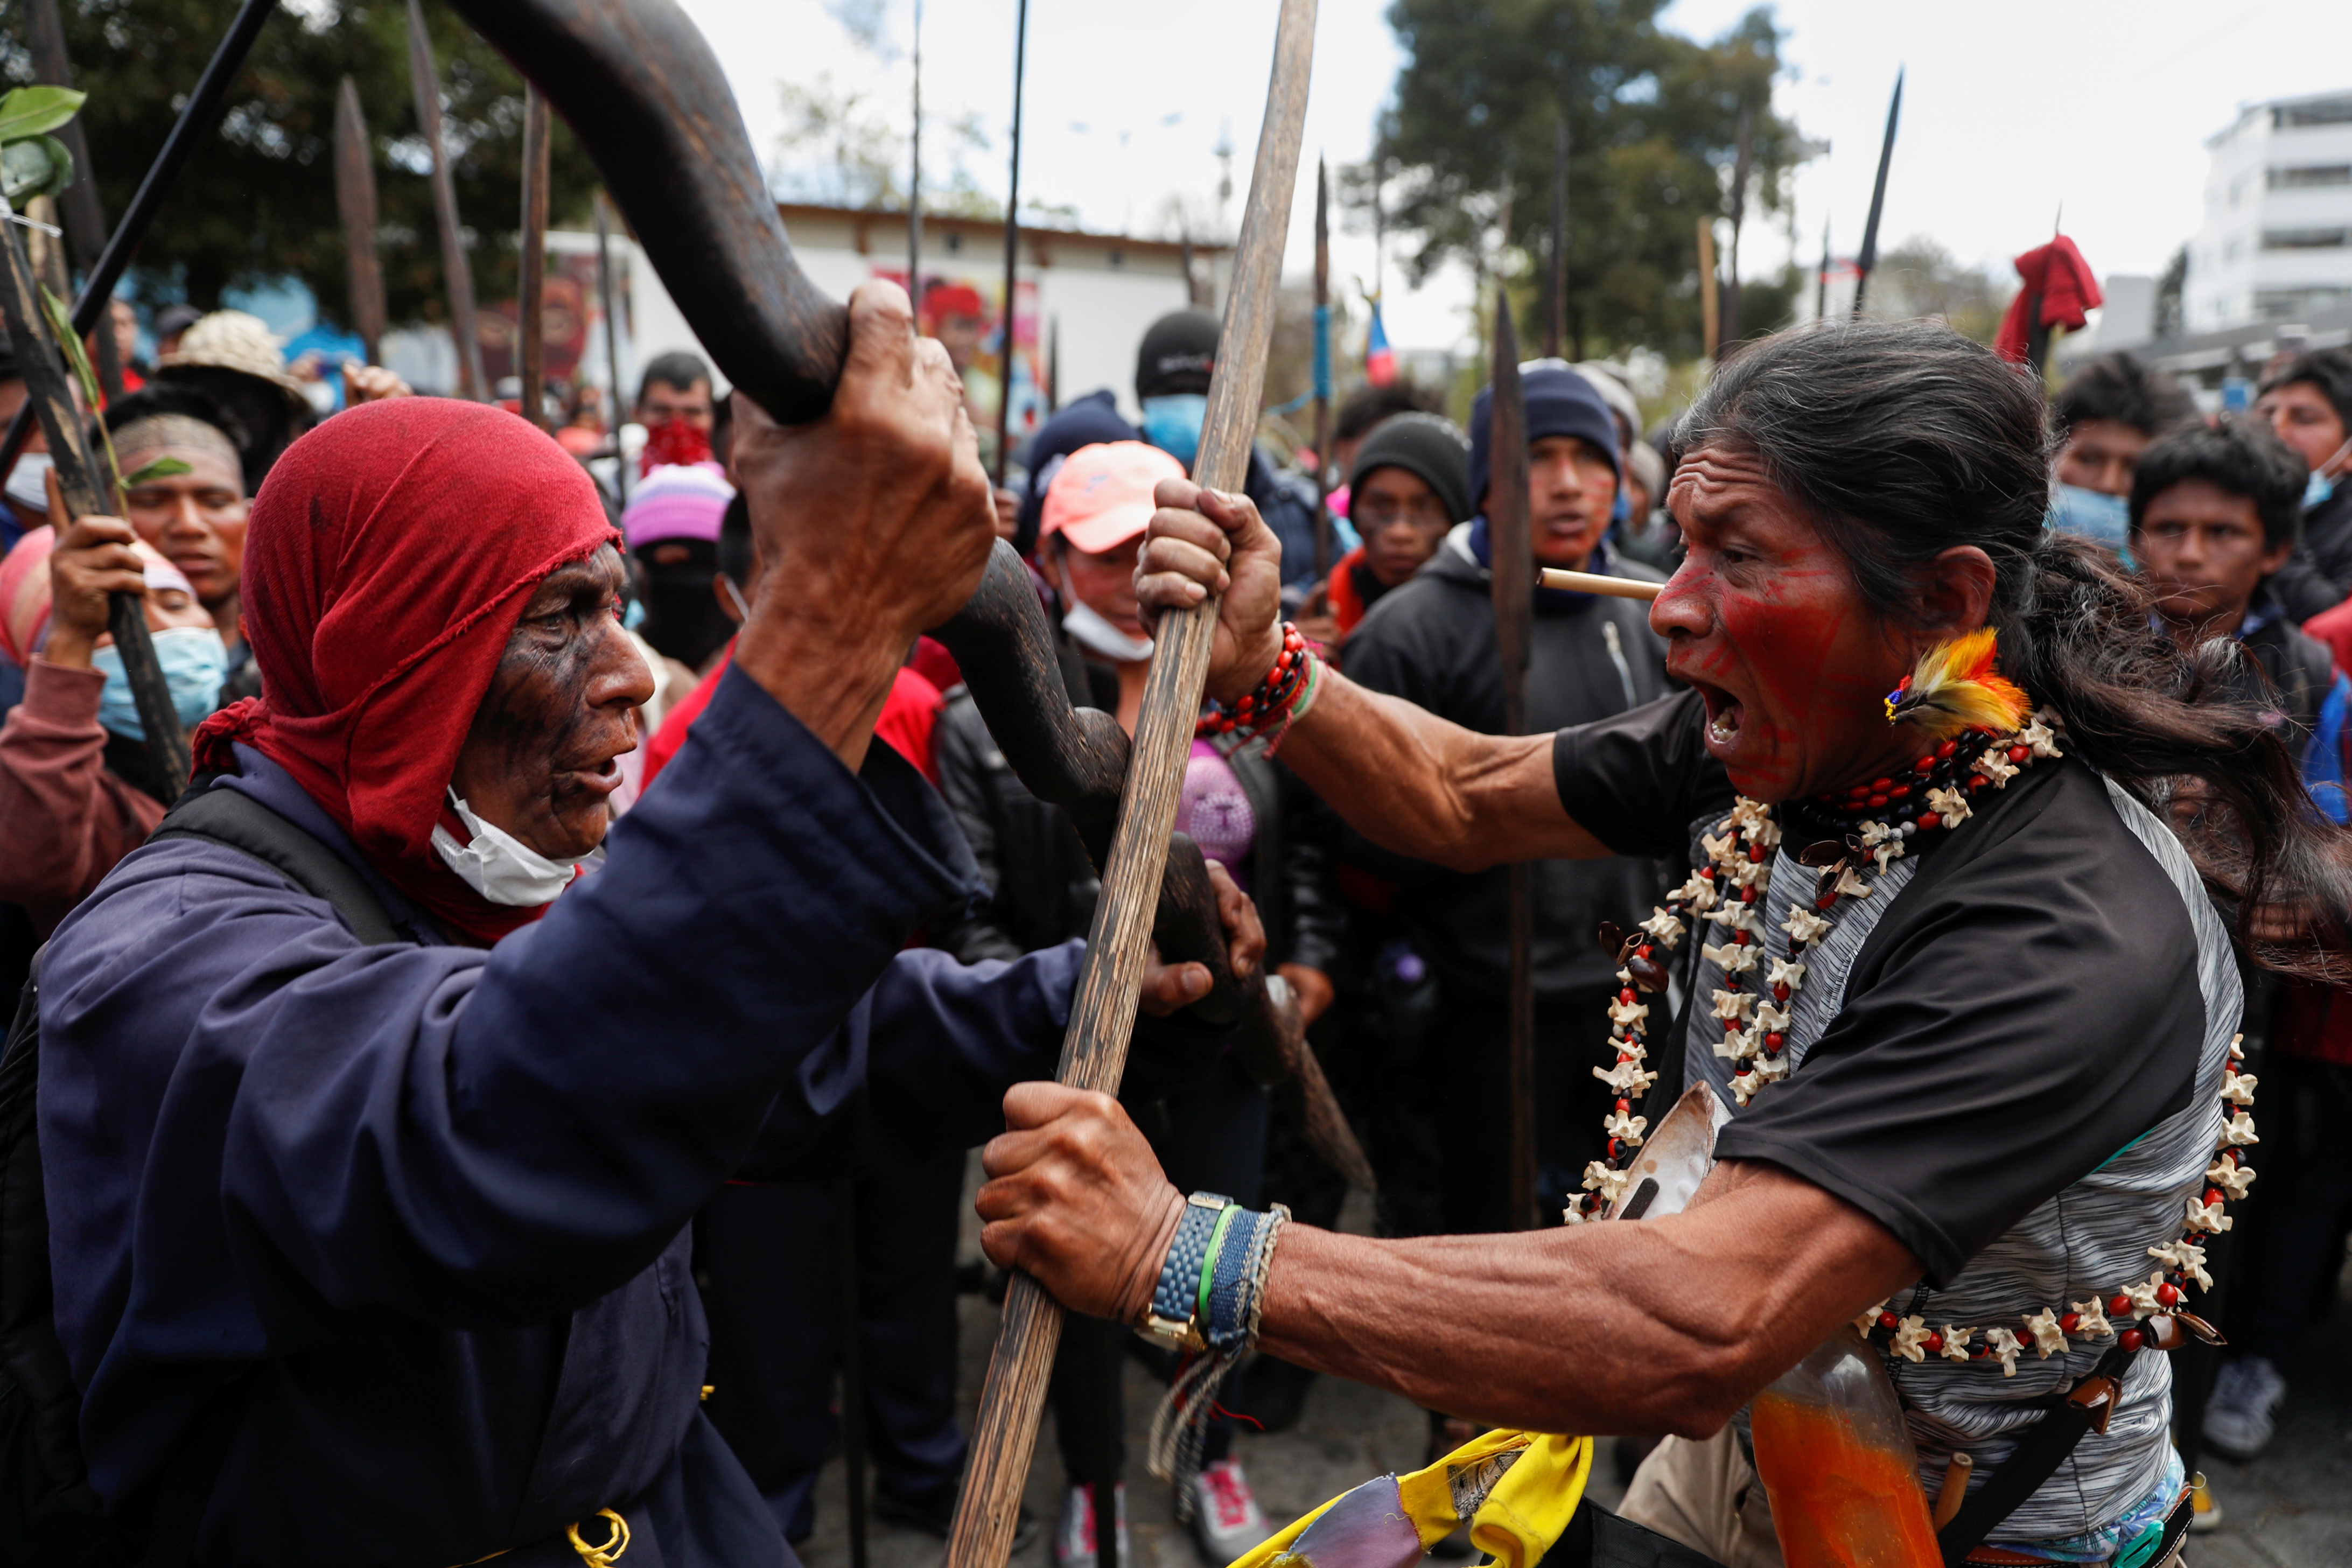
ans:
(1226, 1523)
(2204, 1513)
(1073, 1538)
(2240, 1417)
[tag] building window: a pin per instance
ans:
(2296, 304)
(2308, 175)
(1114, 258)
(955, 242)
(2306, 239)
(2302, 116)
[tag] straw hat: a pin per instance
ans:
(232, 339)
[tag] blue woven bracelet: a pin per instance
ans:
(1225, 1324)
(1176, 1296)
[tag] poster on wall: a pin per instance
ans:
(964, 312)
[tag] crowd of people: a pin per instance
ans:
(436, 1103)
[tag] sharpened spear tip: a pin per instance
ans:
(1592, 582)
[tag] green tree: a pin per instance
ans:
(257, 202)
(1653, 122)
(1920, 278)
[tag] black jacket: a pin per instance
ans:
(2318, 575)
(1043, 886)
(2301, 668)
(1432, 642)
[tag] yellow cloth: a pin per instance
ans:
(1519, 1517)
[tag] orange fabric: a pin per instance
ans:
(1348, 606)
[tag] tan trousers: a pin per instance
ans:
(1706, 1496)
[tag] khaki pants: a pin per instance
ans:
(1706, 1496)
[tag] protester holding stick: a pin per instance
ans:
(1967, 1090)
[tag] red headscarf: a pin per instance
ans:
(389, 556)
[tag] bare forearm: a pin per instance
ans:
(1665, 1325)
(1412, 783)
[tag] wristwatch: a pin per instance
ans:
(1172, 1320)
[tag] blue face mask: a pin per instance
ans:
(2317, 490)
(1172, 424)
(2091, 514)
(195, 665)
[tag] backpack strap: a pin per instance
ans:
(235, 819)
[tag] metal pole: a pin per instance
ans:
(1012, 246)
(457, 273)
(531, 295)
(44, 36)
(1867, 257)
(612, 348)
(1513, 583)
(195, 120)
(1322, 374)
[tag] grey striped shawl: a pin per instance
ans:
(2090, 1239)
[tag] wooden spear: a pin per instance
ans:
(531, 295)
(86, 490)
(1322, 376)
(44, 36)
(1102, 1013)
(1513, 582)
(1556, 323)
(457, 272)
(355, 196)
(1012, 251)
(1866, 259)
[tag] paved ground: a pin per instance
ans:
(2292, 1509)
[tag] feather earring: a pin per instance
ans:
(1954, 687)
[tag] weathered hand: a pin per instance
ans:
(1170, 986)
(1209, 542)
(1076, 1198)
(93, 561)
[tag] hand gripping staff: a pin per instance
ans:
(644, 92)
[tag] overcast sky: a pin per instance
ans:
(2013, 108)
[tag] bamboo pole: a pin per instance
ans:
(355, 196)
(531, 294)
(457, 273)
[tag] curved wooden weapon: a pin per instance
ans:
(646, 97)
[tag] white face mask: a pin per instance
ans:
(1094, 631)
(29, 481)
(500, 867)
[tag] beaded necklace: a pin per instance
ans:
(1874, 823)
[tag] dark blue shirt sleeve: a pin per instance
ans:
(473, 1138)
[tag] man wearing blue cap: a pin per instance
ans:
(1431, 641)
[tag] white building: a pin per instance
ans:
(2276, 243)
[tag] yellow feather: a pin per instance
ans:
(1954, 687)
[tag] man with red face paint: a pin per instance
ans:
(1981, 1049)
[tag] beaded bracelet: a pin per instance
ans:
(1283, 697)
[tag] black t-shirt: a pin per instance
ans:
(2027, 1006)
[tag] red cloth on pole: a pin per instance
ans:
(2057, 275)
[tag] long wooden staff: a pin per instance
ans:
(355, 199)
(1513, 579)
(197, 121)
(1094, 1051)
(457, 273)
(531, 294)
(44, 36)
(85, 492)
(1322, 373)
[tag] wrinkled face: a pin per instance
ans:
(1571, 490)
(663, 402)
(2202, 549)
(2102, 455)
(197, 519)
(2304, 420)
(1402, 523)
(1105, 582)
(538, 761)
(1764, 620)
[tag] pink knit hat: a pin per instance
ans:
(682, 500)
(25, 595)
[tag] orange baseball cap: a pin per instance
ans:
(1101, 495)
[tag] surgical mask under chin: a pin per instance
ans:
(497, 865)
(1094, 631)
(2091, 514)
(1172, 423)
(29, 481)
(2316, 490)
(196, 664)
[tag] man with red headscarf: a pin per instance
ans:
(368, 1187)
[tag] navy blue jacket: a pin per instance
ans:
(431, 1203)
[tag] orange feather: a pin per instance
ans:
(1955, 687)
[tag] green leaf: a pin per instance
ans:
(35, 111)
(37, 166)
(61, 323)
(161, 469)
